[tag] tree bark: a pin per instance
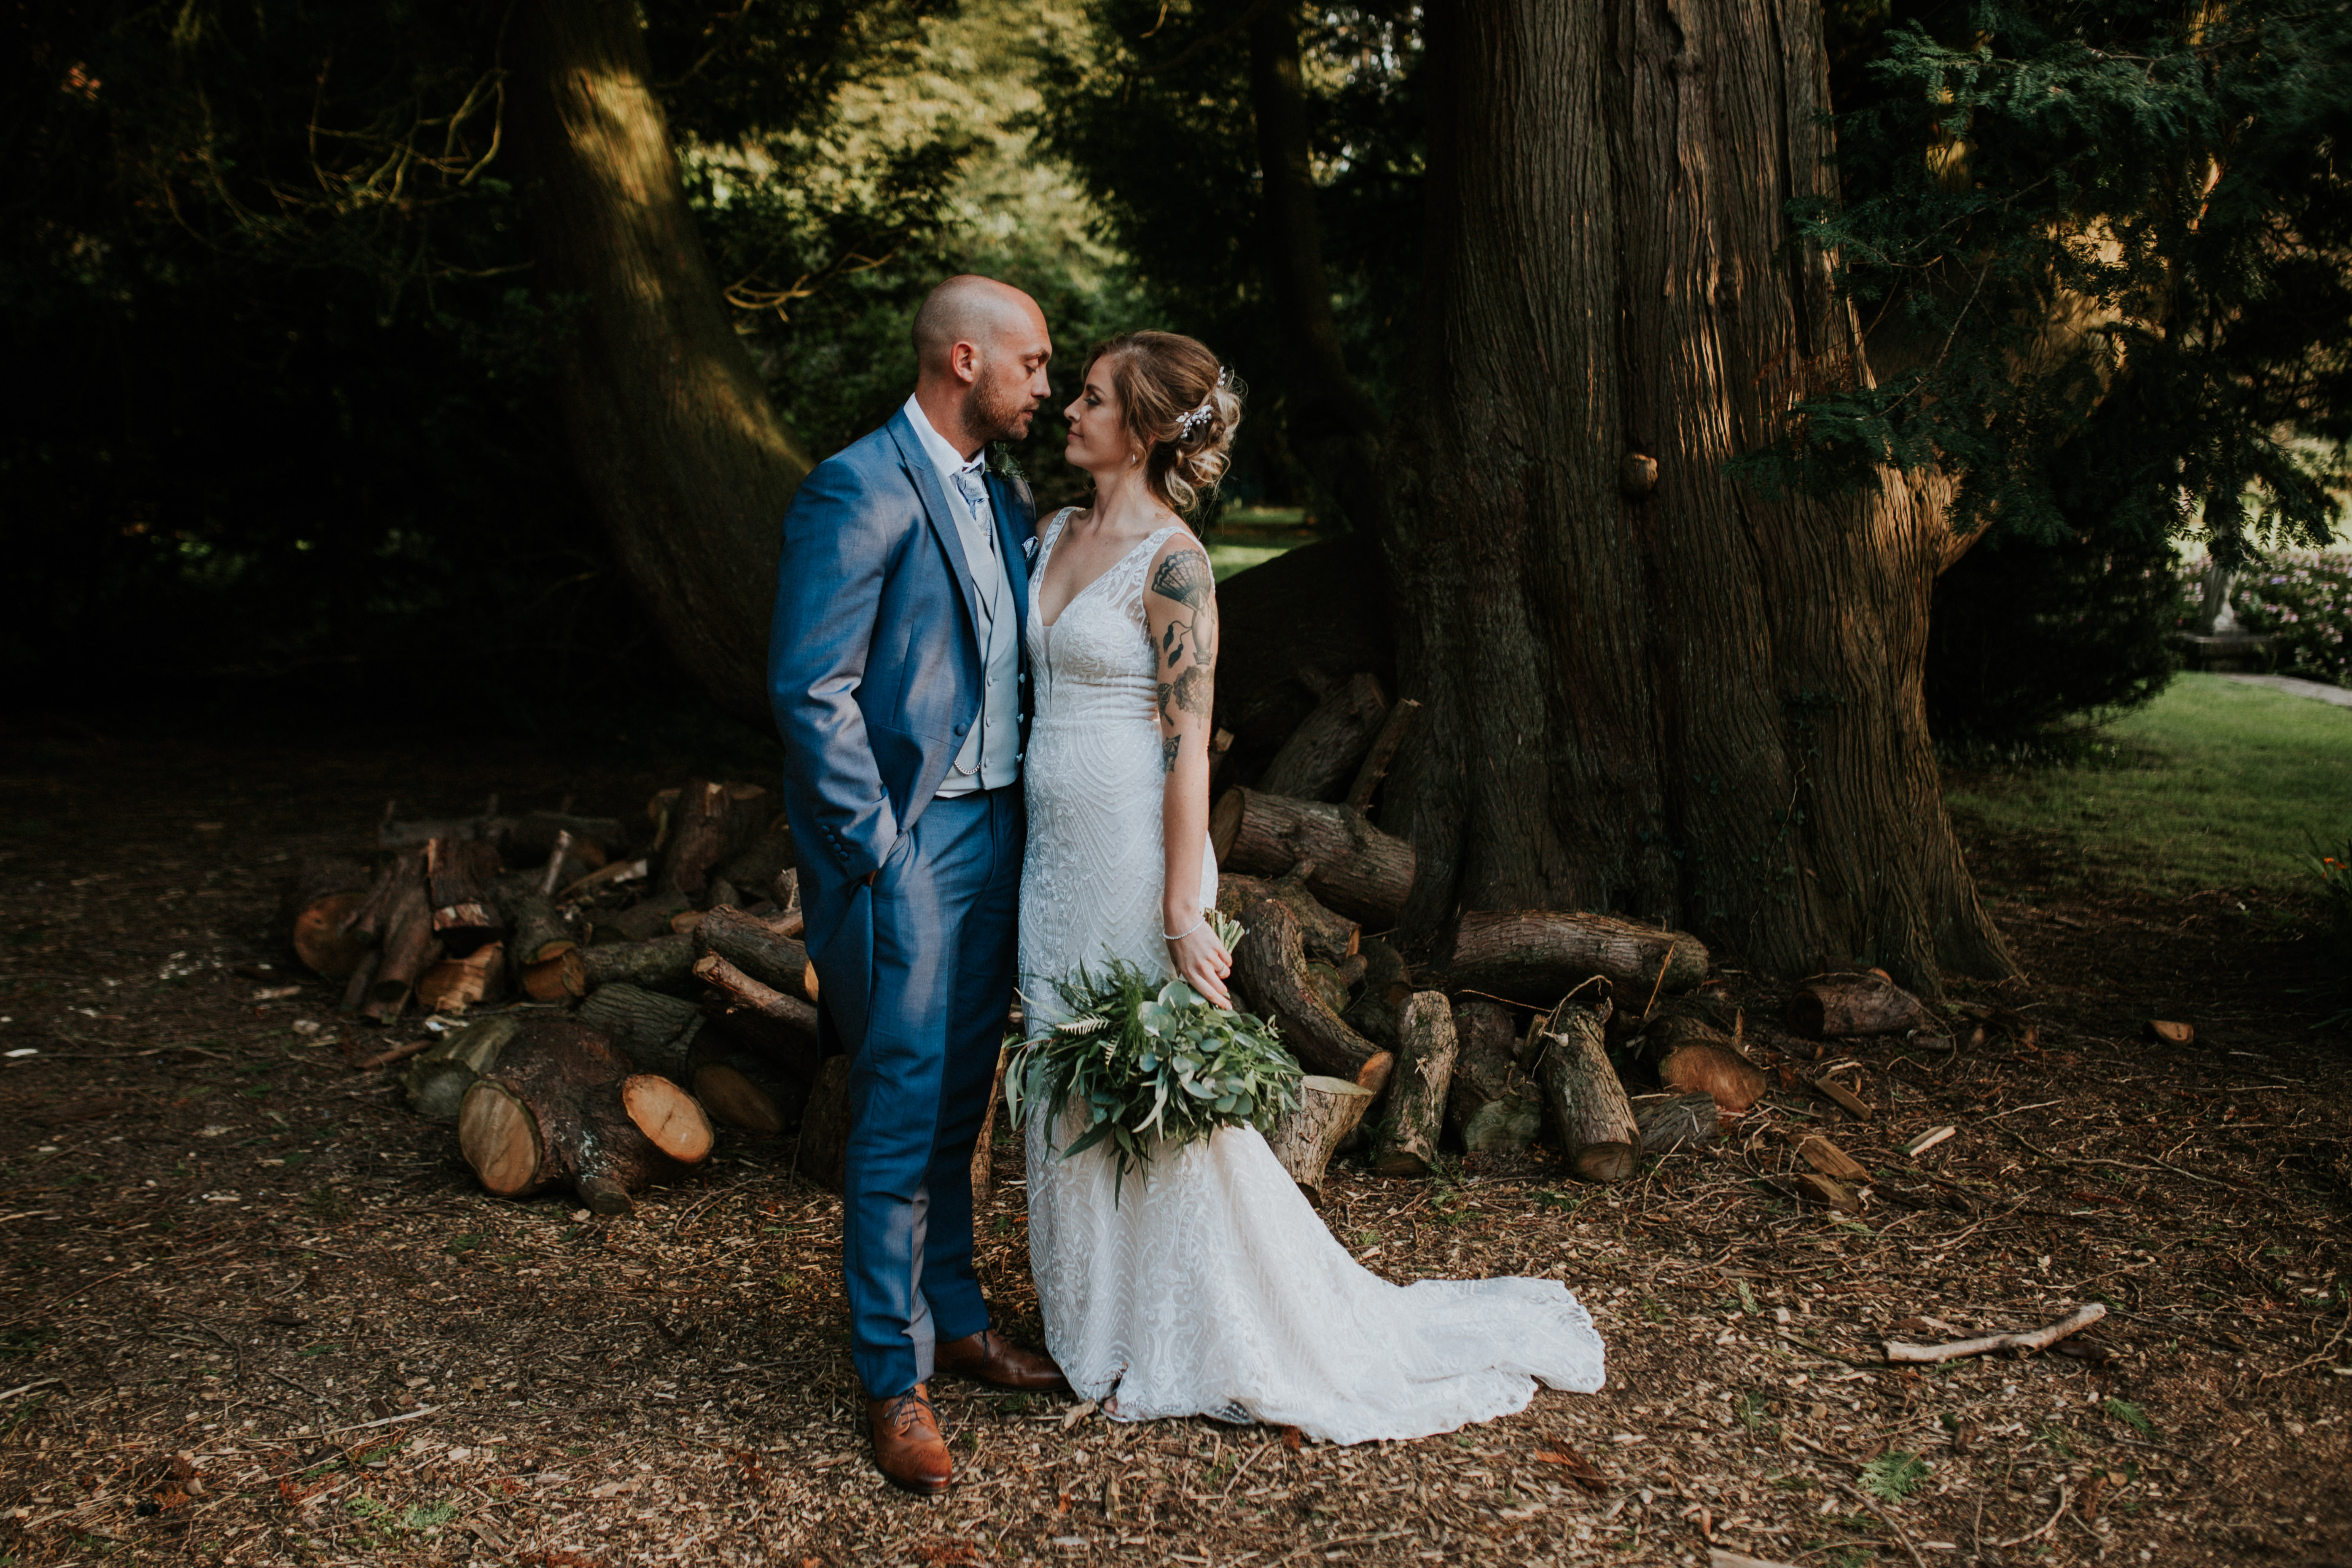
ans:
(1539, 956)
(1330, 938)
(1688, 704)
(1491, 1105)
(1332, 424)
(1321, 757)
(463, 916)
(1589, 1108)
(663, 963)
(671, 429)
(782, 1025)
(708, 823)
(657, 1031)
(437, 1080)
(1386, 986)
(759, 948)
(1669, 1122)
(410, 949)
(539, 933)
(1836, 1006)
(1270, 971)
(1406, 1143)
(561, 1105)
(823, 1151)
(1350, 865)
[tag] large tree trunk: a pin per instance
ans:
(1649, 690)
(669, 424)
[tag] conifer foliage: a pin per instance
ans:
(2105, 256)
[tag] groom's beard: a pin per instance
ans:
(1000, 413)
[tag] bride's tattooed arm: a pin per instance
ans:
(1181, 617)
(1183, 613)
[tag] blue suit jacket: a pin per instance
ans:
(874, 672)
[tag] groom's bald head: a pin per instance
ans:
(973, 310)
(980, 349)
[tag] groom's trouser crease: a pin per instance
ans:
(942, 913)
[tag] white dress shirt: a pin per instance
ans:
(990, 757)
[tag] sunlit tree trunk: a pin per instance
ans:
(1663, 695)
(689, 465)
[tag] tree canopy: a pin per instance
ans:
(272, 264)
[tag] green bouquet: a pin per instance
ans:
(1142, 1059)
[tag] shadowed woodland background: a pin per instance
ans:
(305, 318)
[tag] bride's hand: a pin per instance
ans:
(1202, 961)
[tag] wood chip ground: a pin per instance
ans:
(253, 1311)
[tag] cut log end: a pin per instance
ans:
(732, 1098)
(1715, 1071)
(603, 1197)
(668, 1117)
(499, 1138)
(321, 941)
(1328, 1109)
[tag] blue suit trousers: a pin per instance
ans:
(941, 919)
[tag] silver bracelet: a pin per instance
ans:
(1188, 930)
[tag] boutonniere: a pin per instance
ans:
(1000, 464)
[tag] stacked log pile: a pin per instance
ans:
(1599, 1038)
(635, 984)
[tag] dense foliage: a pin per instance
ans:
(1149, 107)
(268, 268)
(2105, 253)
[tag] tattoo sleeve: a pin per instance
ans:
(1186, 646)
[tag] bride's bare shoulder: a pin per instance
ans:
(1045, 523)
(1180, 569)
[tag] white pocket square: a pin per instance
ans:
(1029, 548)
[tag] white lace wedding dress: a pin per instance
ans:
(1213, 1287)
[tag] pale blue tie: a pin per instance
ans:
(975, 494)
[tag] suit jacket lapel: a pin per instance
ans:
(1010, 516)
(918, 464)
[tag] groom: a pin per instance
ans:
(895, 667)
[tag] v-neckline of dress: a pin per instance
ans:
(1062, 528)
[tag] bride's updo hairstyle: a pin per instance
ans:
(1182, 409)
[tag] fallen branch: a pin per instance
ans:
(2065, 1498)
(397, 1054)
(2040, 1339)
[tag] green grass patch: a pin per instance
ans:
(2214, 785)
(1225, 559)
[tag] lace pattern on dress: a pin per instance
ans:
(1212, 1287)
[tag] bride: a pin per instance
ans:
(1212, 1288)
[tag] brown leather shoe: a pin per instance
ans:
(987, 1357)
(907, 1448)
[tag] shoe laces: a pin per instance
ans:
(899, 1412)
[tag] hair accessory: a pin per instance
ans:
(1191, 421)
